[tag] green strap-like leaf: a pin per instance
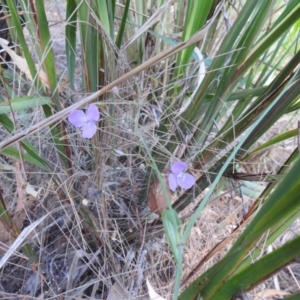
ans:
(19, 30)
(71, 16)
(260, 270)
(122, 25)
(281, 137)
(14, 153)
(47, 51)
(281, 205)
(293, 297)
(22, 103)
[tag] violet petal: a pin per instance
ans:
(178, 167)
(185, 180)
(93, 112)
(172, 182)
(77, 118)
(89, 130)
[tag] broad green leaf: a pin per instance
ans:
(281, 204)
(259, 271)
(279, 138)
(122, 25)
(91, 48)
(32, 155)
(47, 51)
(293, 297)
(71, 17)
(14, 153)
(272, 235)
(286, 22)
(19, 30)
(23, 103)
(172, 226)
(196, 17)
(106, 15)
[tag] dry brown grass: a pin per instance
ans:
(76, 262)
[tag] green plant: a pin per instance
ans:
(205, 89)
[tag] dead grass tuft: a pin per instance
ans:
(94, 239)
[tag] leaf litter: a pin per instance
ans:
(76, 262)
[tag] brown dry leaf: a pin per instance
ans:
(21, 184)
(156, 199)
(8, 234)
(269, 293)
(21, 63)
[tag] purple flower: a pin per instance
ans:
(179, 178)
(87, 121)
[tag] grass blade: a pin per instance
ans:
(71, 27)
